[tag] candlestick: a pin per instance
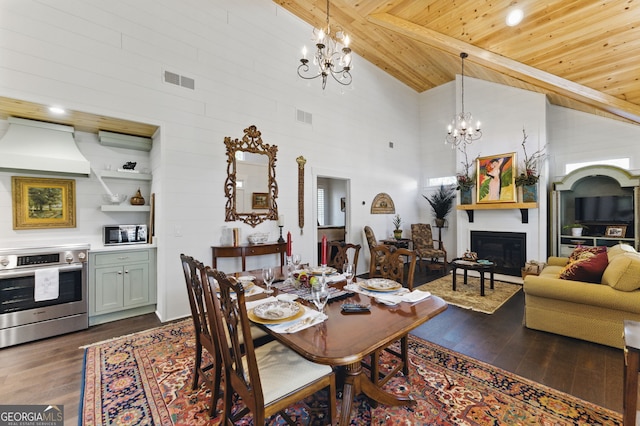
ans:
(280, 240)
(324, 250)
(289, 244)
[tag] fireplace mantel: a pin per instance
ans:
(524, 208)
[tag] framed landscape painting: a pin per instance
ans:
(496, 178)
(42, 203)
(259, 200)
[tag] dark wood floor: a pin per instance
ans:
(50, 371)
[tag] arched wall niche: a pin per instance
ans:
(624, 177)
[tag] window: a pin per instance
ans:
(321, 219)
(444, 180)
(623, 163)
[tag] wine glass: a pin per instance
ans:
(296, 261)
(268, 277)
(347, 270)
(320, 293)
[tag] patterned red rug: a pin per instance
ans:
(145, 379)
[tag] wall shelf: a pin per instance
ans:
(114, 174)
(124, 208)
(523, 207)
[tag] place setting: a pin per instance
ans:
(285, 314)
(387, 292)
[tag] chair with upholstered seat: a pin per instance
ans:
(375, 256)
(268, 378)
(423, 245)
(341, 256)
(204, 339)
(392, 267)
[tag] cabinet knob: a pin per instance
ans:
(119, 272)
(126, 271)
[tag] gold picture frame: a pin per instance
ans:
(496, 180)
(43, 203)
(616, 231)
(259, 200)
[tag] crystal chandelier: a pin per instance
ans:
(460, 131)
(330, 58)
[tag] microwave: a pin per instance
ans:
(125, 234)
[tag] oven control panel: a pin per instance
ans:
(51, 256)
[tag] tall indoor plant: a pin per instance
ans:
(441, 203)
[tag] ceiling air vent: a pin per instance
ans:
(179, 80)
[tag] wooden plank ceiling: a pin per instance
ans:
(581, 53)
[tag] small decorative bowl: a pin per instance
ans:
(114, 199)
(258, 238)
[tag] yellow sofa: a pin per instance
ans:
(587, 311)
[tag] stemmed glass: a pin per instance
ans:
(320, 293)
(268, 277)
(347, 270)
(296, 261)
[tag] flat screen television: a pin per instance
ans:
(609, 209)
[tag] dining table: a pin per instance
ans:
(345, 339)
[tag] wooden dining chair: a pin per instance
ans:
(341, 256)
(392, 267)
(375, 256)
(268, 378)
(203, 334)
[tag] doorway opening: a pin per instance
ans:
(332, 210)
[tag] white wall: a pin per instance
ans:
(109, 57)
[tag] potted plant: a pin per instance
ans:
(397, 222)
(441, 203)
(575, 229)
(530, 174)
(466, 179)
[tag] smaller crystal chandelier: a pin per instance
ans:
(330, 58)
(460, 131)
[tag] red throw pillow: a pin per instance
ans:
(581, 251)
(588, 268)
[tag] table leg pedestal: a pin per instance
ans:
(356, 382)
(630, 401)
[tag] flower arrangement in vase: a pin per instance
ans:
(530, 173)
(467, 178)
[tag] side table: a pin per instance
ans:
(631, 366)
(468, 265)
(401, 243)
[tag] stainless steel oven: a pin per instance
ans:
(43, 292)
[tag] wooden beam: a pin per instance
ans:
(509, 67)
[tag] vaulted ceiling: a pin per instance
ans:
(583, 54)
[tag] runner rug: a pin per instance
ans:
(145, 378)
(468, 296)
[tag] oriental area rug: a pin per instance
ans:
(145, 378)
(468, 296)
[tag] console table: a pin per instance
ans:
(245, 250)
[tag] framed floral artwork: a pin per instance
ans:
(496, 178)
(42, 203)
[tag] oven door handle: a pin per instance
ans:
(31, 271)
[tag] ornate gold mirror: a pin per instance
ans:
(251, 187)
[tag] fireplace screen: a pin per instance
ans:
(508, 250)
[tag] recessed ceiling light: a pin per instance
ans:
(57, 110)
(514, 17)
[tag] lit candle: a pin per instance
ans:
(324, 250)
(304, 52)
(289, 244)
(281, 220)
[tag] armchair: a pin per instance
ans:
(423, 245)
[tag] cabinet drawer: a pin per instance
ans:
(121, 257)
(258, 250)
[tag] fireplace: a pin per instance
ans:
(508, 250)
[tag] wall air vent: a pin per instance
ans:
(179, 80)
(304, 117)
(120, 140)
